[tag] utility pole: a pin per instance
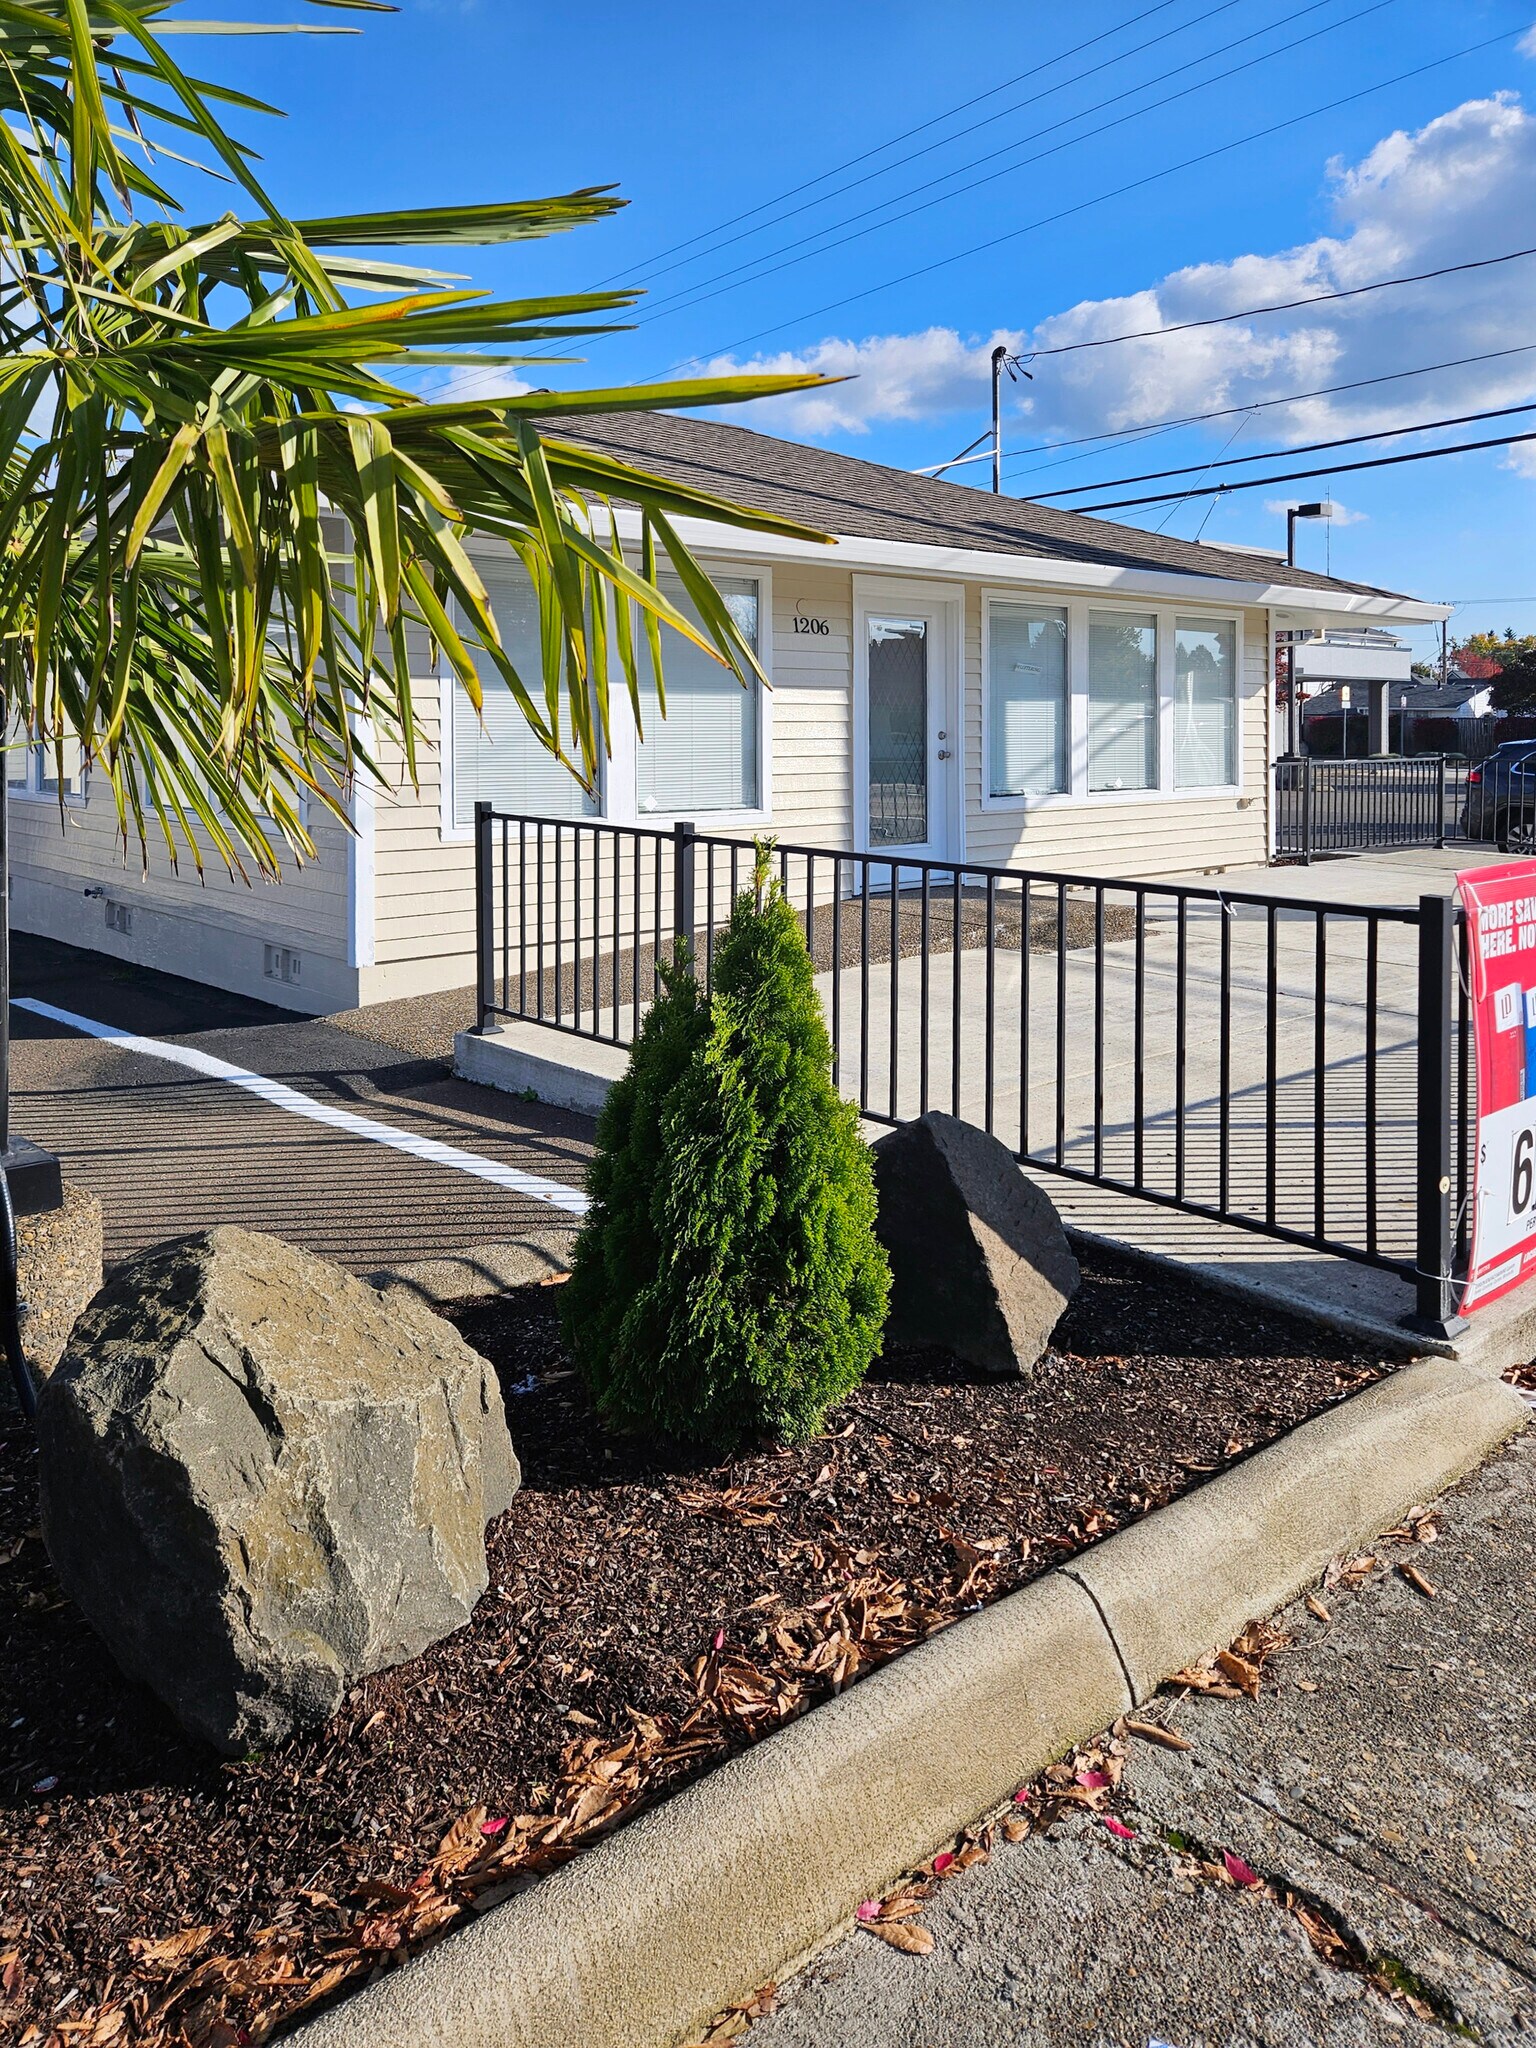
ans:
(999, 358)
(1445, 655)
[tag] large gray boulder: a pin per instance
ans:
(262, 1479)
(979, 1260)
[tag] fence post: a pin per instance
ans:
(1435, 1312)
(1306, 810)
(485, 917)
(1440, 803)
(684, 838)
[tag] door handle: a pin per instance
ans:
(943, 753)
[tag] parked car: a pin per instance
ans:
(1501, 798)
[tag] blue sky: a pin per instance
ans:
(700, 114)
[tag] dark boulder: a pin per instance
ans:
(979, 1261)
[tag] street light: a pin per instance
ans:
(1322, 510)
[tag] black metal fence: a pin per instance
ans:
(1302, 1070)
(1387, 801)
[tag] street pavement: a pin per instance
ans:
(171, 1151)
(1397, 1801)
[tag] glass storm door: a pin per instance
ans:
(909, 744)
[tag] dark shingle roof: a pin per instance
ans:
(844, 495)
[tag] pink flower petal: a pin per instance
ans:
(45, 1784)
(869, 1909)
(1093, 1781)
(719, 1638)
(493, 1827)
(1021, 1795)
(1237, 1869)
(1119, 1828)
(942, 1862)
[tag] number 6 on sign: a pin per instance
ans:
(1501, 959)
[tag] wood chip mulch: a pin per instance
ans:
(647, 1615)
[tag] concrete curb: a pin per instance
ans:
(653, 1930)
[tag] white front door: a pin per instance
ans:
(909, 748)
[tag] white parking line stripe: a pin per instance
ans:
(512, 1178)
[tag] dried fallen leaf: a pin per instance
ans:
(912, 1941)
(174, 1949)
(1316, 1608)
(1154, 1731)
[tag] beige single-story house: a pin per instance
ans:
(961, 676)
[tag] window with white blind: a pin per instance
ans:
(703, 756)
(34, 770)
(1027, 713)
(1204, 703)
(496, 757)
(1122, 700)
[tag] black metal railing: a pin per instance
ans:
(1299, 1069)
(1385, 801)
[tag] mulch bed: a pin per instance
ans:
(648, 1614)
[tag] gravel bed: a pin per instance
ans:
(648, 1613)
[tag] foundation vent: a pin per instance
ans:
(282, 963)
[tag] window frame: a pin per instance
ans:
(1077, 606)
(32, 791)
(618, 792)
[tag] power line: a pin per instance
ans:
(1004, 149)
(944, 141)
(852, 162)
(1269, 130)
(1195, 419)
(1465, 419)
(1292, 476)
(1280, 306)
(668, 310)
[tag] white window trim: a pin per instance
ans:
(1078, 795)
(32, 791)
(618, 776)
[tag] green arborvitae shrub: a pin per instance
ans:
(728, 1284)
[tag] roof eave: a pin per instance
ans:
(980, 565)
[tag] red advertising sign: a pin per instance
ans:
(1501, 959)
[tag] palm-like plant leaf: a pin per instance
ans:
(216, 546)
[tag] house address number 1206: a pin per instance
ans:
(805, 625)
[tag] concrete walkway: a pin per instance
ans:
(1387, 1774)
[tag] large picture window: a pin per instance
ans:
(1204, 703)
(496, 758)
(1122, 700)
(1027, 713)
(703, 756)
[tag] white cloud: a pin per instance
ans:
(1527, 43)
(1461, 187)
(458, 387)
(899, 377)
